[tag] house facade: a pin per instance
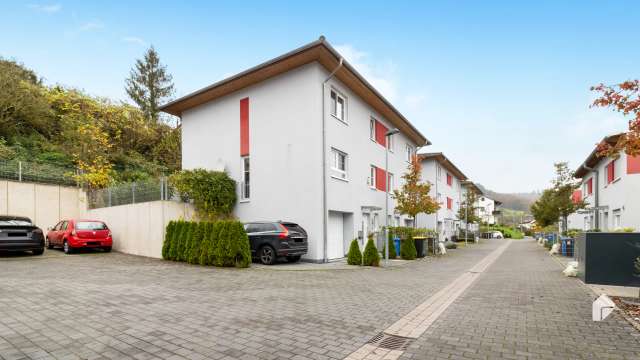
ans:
(487, 209)
(447, 187)
(304, 136)
(609, 187)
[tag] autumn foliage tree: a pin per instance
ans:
(467, 210)
(414, 197)
(624, 98)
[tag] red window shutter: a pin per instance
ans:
(381, 179)
(590, 186)
(449, 203)
(244, 127)
(611, 175)
(449, 179)
(577, 196)
(381, 131)
(633, 164)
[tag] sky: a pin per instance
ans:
(501, 87)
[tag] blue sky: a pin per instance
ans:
(501, 87)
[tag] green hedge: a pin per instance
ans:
(223, 243)
(354, 257)
(408, 250)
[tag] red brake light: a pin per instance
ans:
(284, 233)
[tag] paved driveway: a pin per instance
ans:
(97, 306)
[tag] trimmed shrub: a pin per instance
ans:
(370, 256)
(232, 248)
(195, 245)
(168, 236)
(213, 192)
(354, 257)
(209, 244)
(392, 247)
(177, 235)
(184, 241)
(408, 250)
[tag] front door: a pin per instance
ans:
(335, 241)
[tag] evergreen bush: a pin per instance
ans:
(185, 240)
(195, 246)
(168, 236)
(354, 257)
(173, 246)
(209, 244)
(370, 256)
(232, 248)
(392, 247)
(408, 249)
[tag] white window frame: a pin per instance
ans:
(372, 177)
(409, 154)
(341, 174)
(389, 141)
(372, 129)
(390, 182)
(334, 96)
(245, 186)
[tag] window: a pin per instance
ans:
(617, 219)
(339, 165)
(409, 154)
(372, 177)
(338, 105)
(390, 143)
(245, 192)
(391, 182)
(611, 172)
(449, 179)
(372, 129)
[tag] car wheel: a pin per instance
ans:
(293, 259)
(49, 244)
(37, 251)
(267, 255)
(66, 248)
(107, 249)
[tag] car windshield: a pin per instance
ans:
(91, 225)
(15, 222)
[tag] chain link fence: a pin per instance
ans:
(132, 193)
(37, 172)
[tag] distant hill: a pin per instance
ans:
(513, 201)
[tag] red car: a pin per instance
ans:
(77, 234)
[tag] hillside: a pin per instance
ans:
(513, 201)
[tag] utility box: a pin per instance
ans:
(608, 258)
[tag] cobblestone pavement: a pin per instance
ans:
(99, 306)
(115, 306)
(524, 308)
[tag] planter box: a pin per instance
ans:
(607, 258)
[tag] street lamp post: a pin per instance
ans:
(466, 220)
(388, 136)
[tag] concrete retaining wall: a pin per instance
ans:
(44, 204)
(138, 229)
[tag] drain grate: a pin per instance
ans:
(390, 342)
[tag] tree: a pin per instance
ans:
(414, 197)
(149, 84)
(624, 98)
(354, 256)
(557, 202)
(469, 215)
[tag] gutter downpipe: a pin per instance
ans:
(325, 212)
(596, 196)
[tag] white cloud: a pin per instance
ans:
(414, 101)
(91, 25)
(380, 74)
(49, 9)
(134, 40)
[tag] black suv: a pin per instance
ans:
(272, 239)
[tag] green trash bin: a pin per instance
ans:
(420, 246)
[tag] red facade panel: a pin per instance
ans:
(589, 186)
(449, 203)
(381, 179)
(577, 196)
(244, 127)
(633, 164)
(449, 179)
(381, 131)
(611, 172)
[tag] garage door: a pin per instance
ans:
(335, 240)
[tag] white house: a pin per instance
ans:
(610, 187)
(487, 209)
(447, 188)
(304, 136)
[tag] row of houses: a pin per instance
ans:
(610, 186)
(310, 140)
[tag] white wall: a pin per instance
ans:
(44, 204)
(448, 219)
(621, 196)
(138, 229)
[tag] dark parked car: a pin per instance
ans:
(17, 233)
(272, 239)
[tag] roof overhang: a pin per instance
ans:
(445, 162)
(593, 159)
(470, 184)
(320, 51)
